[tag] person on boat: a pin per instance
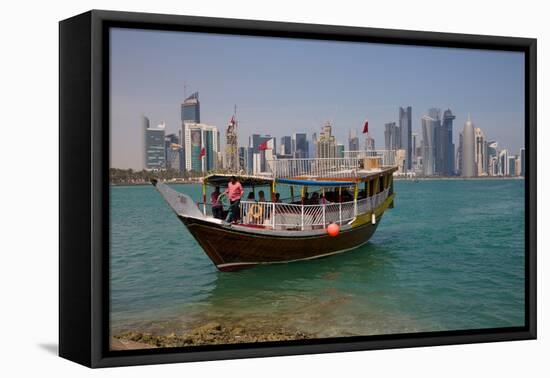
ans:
(277, 197)
(305, 198)
(217, 206)
(261, 196)
(246, 207)
(314, 199)
(234, 192)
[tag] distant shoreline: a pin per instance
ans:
(458, 178)
(480, 178)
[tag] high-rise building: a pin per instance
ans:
(300, 145)
(392, 136)
(201, 146)
(522, 162)
(481, 154)
(414, 147)
(503, 169)
(145, 124)
(511, 165)
(190, 113)
(405, 127)
(369, 143)
(458, 160)
(340, 148)
(191, 109)
(439, 143)
(492, 157)
(261, 155)
(326, 145)
(172, 152)
(468, 150)
(245, 160)
(231, 146)
(429, 138)
(448, 147)
(154, 147)
(286, 146)
(353, 141)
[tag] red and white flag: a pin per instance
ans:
(366, 127)
(203, 152)
(232, 122)
(267, 145)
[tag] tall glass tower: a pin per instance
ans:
(468, 150)
(448, 147)
(191, 109)
(405, 127)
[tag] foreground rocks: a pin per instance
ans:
(210, 334)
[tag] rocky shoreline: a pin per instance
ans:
(212, 333)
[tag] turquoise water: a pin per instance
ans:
(449, 256)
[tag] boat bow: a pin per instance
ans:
(180, 203)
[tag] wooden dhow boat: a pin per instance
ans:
(346, 196)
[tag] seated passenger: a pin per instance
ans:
(314, 199)
(261, 196)
(217, 206)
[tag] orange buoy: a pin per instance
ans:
(333, 229)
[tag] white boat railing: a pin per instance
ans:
(342, 167)
(286, 216)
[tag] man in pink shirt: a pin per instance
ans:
(234, 191)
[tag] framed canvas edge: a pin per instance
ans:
(99, 139)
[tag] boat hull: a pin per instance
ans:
(231, 249)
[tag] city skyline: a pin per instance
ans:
(490, 87)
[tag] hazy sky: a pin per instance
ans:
(282, 86)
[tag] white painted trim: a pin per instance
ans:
(289, 261)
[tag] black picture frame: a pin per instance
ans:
(84, 183)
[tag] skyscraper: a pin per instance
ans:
(340, 148)
(414, 146)
(300, 145)
(326, 145)
(286, 146)
(172, 151)
(492, 157)
(258, 157)
(353, 141)
(245, 160)
(191, 109)
(429, 134)
(369, 143)
(439, 142)
(481, 156)
(511, 165)
(392, 136)
(458, 161)
(154, 148)
(503, 163)
(448, 147)
(405, 127)
(201, 146)
(468, 150)
(231, 146)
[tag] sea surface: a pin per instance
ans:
(449, 256)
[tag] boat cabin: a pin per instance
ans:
(303, 194)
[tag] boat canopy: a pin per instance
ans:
(302, 182)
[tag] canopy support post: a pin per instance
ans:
(204, 197)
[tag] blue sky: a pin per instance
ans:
(283, 86)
